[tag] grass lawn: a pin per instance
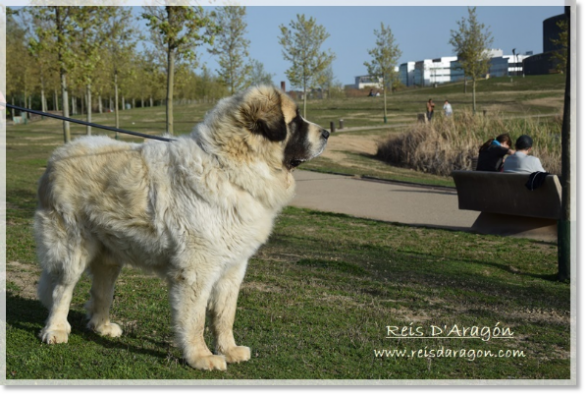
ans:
(317, 299)
(316, 303)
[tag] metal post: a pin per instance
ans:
(332, 130)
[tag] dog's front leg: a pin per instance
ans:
(189, 293)
(222, 309)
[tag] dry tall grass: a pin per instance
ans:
(448, 144)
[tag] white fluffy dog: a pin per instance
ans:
(193, 210)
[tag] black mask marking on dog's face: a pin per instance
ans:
(296, 150)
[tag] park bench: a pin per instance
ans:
(507, 207)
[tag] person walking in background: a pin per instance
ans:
(522, 161)
(492, 153)
(429, 109)
(447, 109)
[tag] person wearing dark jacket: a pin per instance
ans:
(492, 153)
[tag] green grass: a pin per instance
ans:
(315, 305)
(368, 166)
(316, 298)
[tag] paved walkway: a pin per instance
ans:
(388, 201)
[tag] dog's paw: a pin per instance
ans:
(238, 354)
(212, 362)
(106, 329)
(54, 336)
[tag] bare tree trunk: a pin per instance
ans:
(304, 87)
(100, 110)
(564, 223)
(65, 100)
(116, 102)
(384, 102)
(55, 100)
(43, 99)
(169, 104)
(474, 102)
(89, 108)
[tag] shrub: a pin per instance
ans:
(448, 144)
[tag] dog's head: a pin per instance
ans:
(268, 123)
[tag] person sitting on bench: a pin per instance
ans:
(521, 161)
(492, 153)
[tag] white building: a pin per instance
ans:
(499, 66)
(429, 72)
(369, 82)
(426, 72)
(406, 73)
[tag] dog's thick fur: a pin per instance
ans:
(193, 210)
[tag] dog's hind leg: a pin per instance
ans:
(63, 256)
(104, 271)
(222, 308)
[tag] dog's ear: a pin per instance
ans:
(274, 130)
(262, 114)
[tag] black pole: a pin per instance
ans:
(564, 224)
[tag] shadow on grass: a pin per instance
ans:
(30, 315)
(447, 270)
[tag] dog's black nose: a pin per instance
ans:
(325, 134)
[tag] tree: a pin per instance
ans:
(89, 39)
(15, 47)
(179, 30)
(258, 75)
(385, 56)
(120, 45)
(59, 32)
(471, 43)
(301, 46)
(560, 56)
(325, 81)
(232, 47)
(43, 57)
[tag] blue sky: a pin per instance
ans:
(422, 31)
